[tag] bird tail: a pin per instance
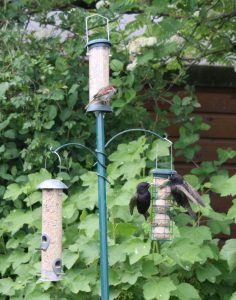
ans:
(146, 215)
(191, 213)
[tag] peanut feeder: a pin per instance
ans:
(161, 222)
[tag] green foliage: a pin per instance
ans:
(43, 92)
(189, 265)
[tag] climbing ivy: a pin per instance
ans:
(191, 265)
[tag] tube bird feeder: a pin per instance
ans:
(51, 248)
(98, 51)
(161, 222)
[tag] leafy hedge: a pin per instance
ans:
(189, 267)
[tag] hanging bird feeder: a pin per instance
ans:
(162, 225)
(51, 249)
(161, 222)
(98, 51)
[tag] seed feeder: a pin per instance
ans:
(51, 249)
(161, 227)
(98, 51)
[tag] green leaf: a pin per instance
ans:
(207, 272)
(4, 86)
(136, 249)
(159, 149)
(13, 191)
(232, 211)
(69, 258)
(198, 234)
(52, 112)
(116, 254)
(16, 219)
(35, 295)
(228, 253)
(90, 225)
(116, 65)
(187, 292)
(7, 287)
(158, 289)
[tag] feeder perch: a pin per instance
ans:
(161, 222)
(51, 249)
(98, 51)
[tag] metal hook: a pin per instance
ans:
(87, 29)
(59, 158)
(171, 152)
(156, 156)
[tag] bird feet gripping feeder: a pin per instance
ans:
(51, 249)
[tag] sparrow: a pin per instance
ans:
(141, 199)
(183, 192)
(103, 96)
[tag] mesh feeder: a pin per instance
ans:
(51, 249)
(161, 221)
(98, 51)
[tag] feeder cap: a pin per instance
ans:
(50, 184)
(99, 107)
(98, 42)
(163, 172)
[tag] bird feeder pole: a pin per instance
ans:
(98, 51)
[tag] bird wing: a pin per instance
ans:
(100, 92)
(182, 189)
(194, 194)
(133, 203)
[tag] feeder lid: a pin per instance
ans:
(163, 172)
(99, 107)
(52, 184)
(98, 42)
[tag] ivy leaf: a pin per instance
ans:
(36, 295)
(13, 191)
(16, 219)
(187, 292)
(116, 254)
(116, 65)
(198, 234)
(228, 253)
(136, 249)
(158, 289)
(207, 272)
(90, 225)
(232, 211)
(159, 148)
(4, 86)
(69, 258)
(7, 287)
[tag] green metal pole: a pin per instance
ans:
(102, 204)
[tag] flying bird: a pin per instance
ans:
(103, 96)
(141, 199)
(183, 192)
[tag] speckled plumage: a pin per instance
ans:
(183, 192)
(141, 199)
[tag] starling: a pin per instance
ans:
(141, 199)
(103, 95)
(183, 192)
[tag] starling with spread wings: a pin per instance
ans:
(141, 199)
(183, 192)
